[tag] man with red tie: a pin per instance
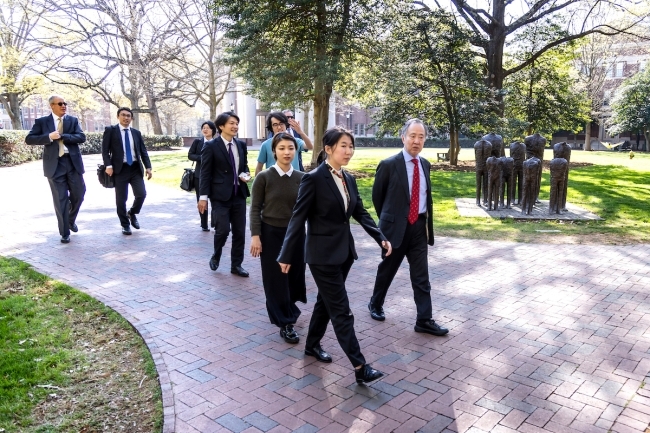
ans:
(402, 198)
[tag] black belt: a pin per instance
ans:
(65, 154)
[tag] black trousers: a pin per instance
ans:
(414, 248)
(204, 215)
(282, 291)
(230, 214)
(129, 175)
(68, 190)
(332, 304)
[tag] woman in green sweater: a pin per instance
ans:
(274, 194)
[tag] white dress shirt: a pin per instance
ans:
(339, 183)
(423, 184)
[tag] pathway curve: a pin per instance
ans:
(544, 338)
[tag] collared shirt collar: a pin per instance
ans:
(340, 172)
(281, 172)
(407, 156)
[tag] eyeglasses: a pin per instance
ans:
(290, 117)
(275, 125)
(60, 104)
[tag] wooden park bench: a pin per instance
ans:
(442, 156)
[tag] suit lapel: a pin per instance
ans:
(221, 146)
(329, 179)
(401, 173)
(352, 194)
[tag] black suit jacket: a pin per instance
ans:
(194, 154)
(113, 149)
(320, 204)
(72, 135)
(216, 176)
(392, 199)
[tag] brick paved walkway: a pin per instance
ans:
(543, 338)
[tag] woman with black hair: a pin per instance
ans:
(209, 130)
(327, 198)
(274, 194)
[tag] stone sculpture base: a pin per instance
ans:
(467, 208)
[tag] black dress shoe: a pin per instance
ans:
(376, 313)
(430, 327)
(367, 374)
(205, 229)
(126, 230)
(214, 262)
(238, 270)
(74, 228)
(289, 334)
(318, 353)
(65, 239)
(134, 220)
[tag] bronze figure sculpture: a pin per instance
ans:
(532, 170)
(535, 145)
(482, 151)
(494, 168)
(563, 150)
(518, 154)
(497, 144)
(559, 169)
(507, 181)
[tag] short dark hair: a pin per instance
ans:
(331, 138)
(211, 126)
(223, 118)
(119, 110)
(282, 136)
(278, 116)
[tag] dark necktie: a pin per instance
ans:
(127, 147)
(414, 209)
(235, 178)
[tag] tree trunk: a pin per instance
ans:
(153, 116)
(321, 117)
(135, 123)
(587, 147)
(496, 76)
(11, 104)
(454, 146)
(646, 134)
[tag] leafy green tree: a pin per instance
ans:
(542, 97)
(18, 19)
(493, 26)
(425, 67)
(630, 107)
(291, 52)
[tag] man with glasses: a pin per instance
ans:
(276, 123)
(61, 135)
(124, 152)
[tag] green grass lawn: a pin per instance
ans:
(616, 188)
(68, 363)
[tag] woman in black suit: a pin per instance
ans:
(327, 198)
(209, 130)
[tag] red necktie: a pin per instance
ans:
(414, 209)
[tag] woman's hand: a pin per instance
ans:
(285, 267)
(386, 245)
(256, 246)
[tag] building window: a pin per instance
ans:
(360, 129)
(606, 97)
(616, 70)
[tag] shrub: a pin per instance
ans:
(13, 149)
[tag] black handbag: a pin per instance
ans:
(104, 179)
(187, 180)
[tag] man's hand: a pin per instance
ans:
(386, 245)
(54, 135)
(109, 171)
(256, 246)
(296, 126)
(149, 174)
(202, 205)
(245, 177)
(285, 267)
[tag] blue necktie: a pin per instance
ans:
(127, 147)
(235, 178)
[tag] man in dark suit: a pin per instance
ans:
(402, 198)
(224, 174)
(61, 136)
(124, 153)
